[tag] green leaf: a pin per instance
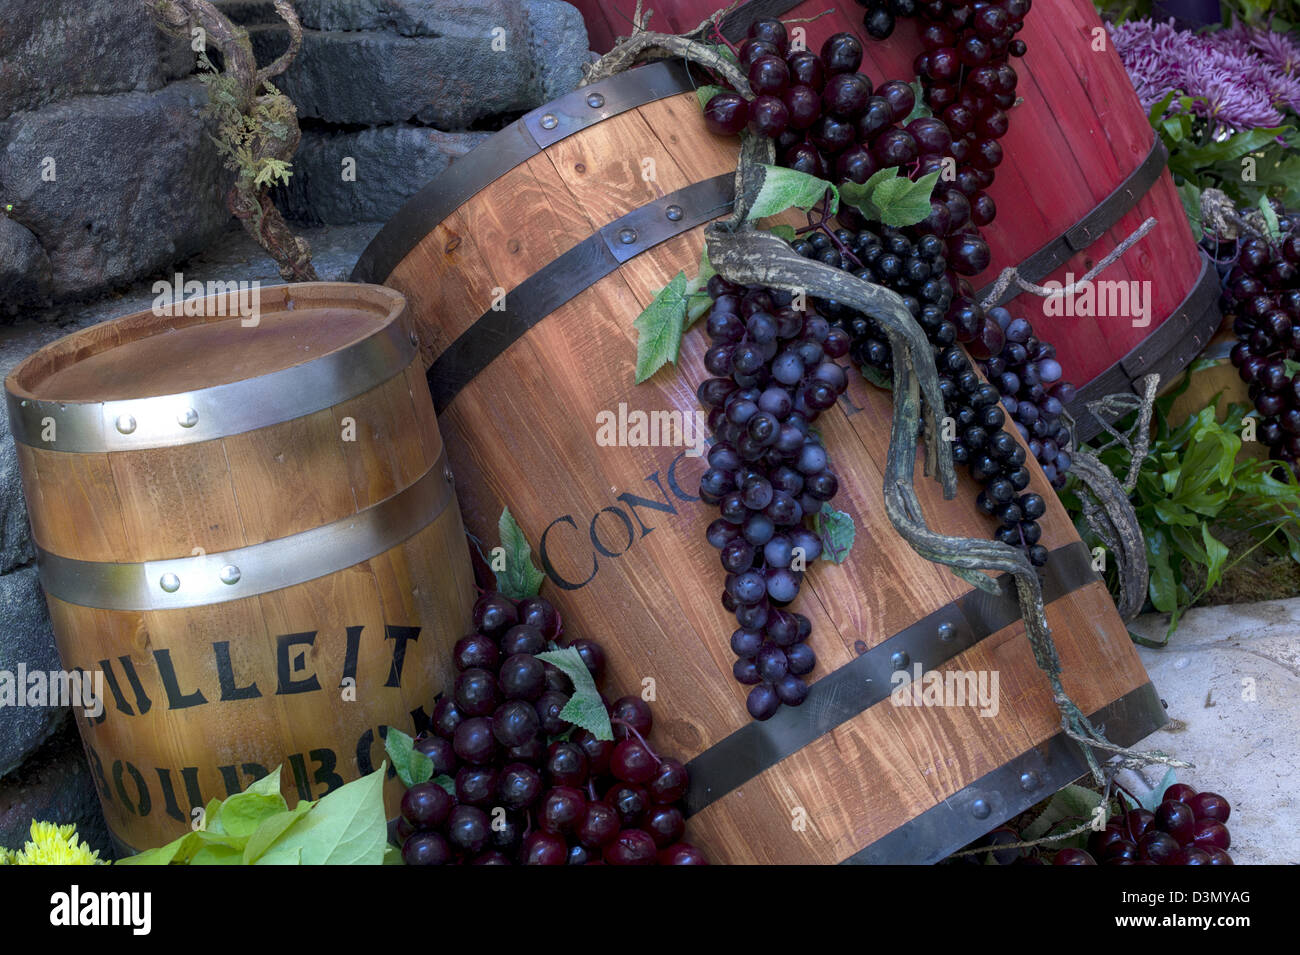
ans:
(217, 853)
(902, 202)
(584, 707)
(271, 829)
(659, 329)
(241, 814)
(346, 827)
(1292, 367)
(706, 93)
(920, 110)
(879, 378)
(520, 578)
(1163, 591)
(178, 850)
(837, 531)
(698, 300)
(1151, 800)
(1191, 197)
(447, 783)
(859, 195)
(412, 766)
(1217, 552)
(1073, 803)
(783, 231)
(1270, 218)
(1159, 109)
(784, 189)
(393, 856)
(268, 785)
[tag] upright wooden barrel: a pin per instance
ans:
(246, 524)
(1083, 170)
(524, 267)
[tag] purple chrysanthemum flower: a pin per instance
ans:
(1239, 78)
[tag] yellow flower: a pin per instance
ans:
(4, 855)
(55, 845)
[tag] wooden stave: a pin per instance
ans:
(423, 579)
(483, 228)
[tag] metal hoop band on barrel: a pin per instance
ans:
(205, 414)
(258, 568)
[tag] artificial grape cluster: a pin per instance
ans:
(830, 121)
(1187, 828)
(775, 371)
(1262, 298)
(567, 797)
(915, 270)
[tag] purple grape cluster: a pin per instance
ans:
(1187, 828)
(530, 787)
(775, 371)
(1262, 298)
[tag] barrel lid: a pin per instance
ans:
(207, 368)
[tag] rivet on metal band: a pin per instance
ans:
(208, 413)
(256, 569)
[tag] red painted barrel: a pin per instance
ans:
(1076, 138)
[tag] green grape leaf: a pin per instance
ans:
(859, 195)
(837, 532)
(1151, 800)
(659, 329)
(520, 577)
(783, 231)
(902, 202)
(706, 93)
(584, 707)
(920, 110)
(788, 188)
(724, 51)
(447, 783)
(412, 766)
(1292, 367)
(698, 300)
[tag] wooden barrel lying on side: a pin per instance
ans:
(524, 267)
(1083, 170)
(246, 524)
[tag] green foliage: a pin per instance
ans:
(584, 708)
(256, 827)
(890, 198)
(837, 531)
(784, 189)
(519, 577)
(247, 139)
(1200, 158)
(675, 309)
(1194, 488)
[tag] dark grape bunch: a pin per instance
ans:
(567, 797)
(1262, 298)
(1187, 828)
(915, 270)
(775, 370)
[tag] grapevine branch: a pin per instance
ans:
(257, 125)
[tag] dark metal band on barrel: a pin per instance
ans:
(255, 569)
(1011, 788)
(511, 147)
(862, 683)
(1166, 351)
(571, 274)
